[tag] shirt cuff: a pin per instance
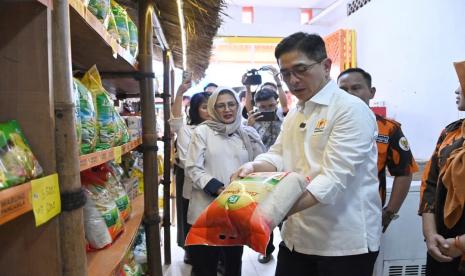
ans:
(324, 189)
(273, 159)
(212, 187)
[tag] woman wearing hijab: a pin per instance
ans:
(443, 199)
(219, 146)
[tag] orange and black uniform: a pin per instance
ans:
(393, 153)
(433, 196)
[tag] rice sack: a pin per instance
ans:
(248, 210)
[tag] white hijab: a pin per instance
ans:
(249, 136)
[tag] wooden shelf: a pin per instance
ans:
(97, 158)
(92, 44)
(105, 261)
(14, 202)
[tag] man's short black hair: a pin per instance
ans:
(364, 74)
(312, 45)
(270, 84)
(211, 84)
(265, 94)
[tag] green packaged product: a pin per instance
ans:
(101, 10)
(77, 115)
(121, 18)
(17, 162)
(122, 136)
(112, 29)
(133, 38)
(106, 123)
(87, 118)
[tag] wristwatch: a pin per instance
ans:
(391, 215)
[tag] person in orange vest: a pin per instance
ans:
(393, 148)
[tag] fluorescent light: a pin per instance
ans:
(183, 34)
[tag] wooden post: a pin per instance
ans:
(149, 139)
(73, 252)
(167, 158)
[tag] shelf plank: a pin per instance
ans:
(97, 158)
(14, 202)
(92, 44)
(105, 261)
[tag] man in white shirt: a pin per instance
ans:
(335, 227)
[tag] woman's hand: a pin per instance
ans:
(436, 245)
(451, 250)
(253, 116)
(274, 72)
(185, 85)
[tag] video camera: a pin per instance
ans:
(253, 77)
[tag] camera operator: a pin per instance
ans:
(253, 78)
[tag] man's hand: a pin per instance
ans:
(253, 116)
(436, 245)
(243, 171)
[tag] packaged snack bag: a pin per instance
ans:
(248, 210)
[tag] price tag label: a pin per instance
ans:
(117, 151)
(46, 202)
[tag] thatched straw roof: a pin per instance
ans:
(202, 19)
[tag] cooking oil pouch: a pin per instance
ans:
(248, 210)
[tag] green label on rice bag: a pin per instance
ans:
(122, 203)
(111, 217)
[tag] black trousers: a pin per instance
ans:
(182, 205)
(435, 268)
(205, 259)
(296, 264)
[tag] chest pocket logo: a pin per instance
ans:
(320, 126)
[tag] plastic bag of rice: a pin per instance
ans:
(248, 210)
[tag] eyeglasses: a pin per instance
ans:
(223, 106)
(298, 71)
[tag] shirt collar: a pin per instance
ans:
(323, 97)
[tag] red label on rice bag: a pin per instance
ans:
(247, 211)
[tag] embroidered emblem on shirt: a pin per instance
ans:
(403, 144)
(320, 126)
(382, 139)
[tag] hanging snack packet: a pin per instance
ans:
(248, 210)
(106, 125)
(121, 18)
(87, 118)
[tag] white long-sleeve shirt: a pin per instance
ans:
(183, 137)
(331, 138)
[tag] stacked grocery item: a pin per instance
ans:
(17, 162)
(116, 20)
(107, 206)
(99, 124)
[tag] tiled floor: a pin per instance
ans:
(250, 265)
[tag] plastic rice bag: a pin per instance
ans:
(112, 29)
(248, 210)
(77, 112)
(101, 10)
(87, 118)
(121, 18)
(102, 220)
(133, 38)
(106, 124)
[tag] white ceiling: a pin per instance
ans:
(315, 4)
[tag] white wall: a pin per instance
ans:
(268, 21)
(409, 47)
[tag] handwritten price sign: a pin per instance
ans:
(46, 201)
